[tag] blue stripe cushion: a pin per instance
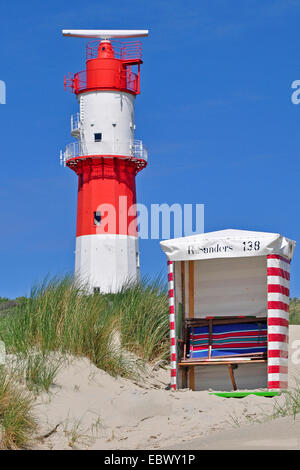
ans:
(229, 340)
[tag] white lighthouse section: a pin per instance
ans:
(106, 262)
(107, 123)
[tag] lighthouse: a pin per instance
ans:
(106, 158)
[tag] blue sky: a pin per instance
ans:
(215, 113)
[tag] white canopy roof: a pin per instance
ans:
(227, 244)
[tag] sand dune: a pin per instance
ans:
(88, 409)
(278, 434)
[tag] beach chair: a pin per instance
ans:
(229, 306)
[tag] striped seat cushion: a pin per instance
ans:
(229, 340)
(199, 338)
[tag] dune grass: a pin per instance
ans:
(294, 311)
(17, 423)
(142, 313)
(61, 316)
(38, 370)
(289, 404)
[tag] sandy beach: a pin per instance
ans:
(88, 409)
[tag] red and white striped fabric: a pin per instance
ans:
(278, 273)
(172, 323)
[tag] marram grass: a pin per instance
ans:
(36, 370)
(17, 423)
(61, 316)
(289, 403)
(117, 332)
(294, 318)
(142, 313)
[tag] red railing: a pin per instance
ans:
(123, 50)
(124, 80)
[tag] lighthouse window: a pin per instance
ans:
(97, 218)
(98, 137)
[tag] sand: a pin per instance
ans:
(88, 409)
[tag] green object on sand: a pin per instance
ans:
(179, 321)
(244, 394)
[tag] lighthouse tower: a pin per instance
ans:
(106, 158)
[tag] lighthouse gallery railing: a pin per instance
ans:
(79, 149)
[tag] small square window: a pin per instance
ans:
(97, 218)
(98, 136)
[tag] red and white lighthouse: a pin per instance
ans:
(106, 157)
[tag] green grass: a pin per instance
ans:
(8, 306)
(17, 423)
(39, 371)
(289, 405)
(295, 311)
(60, 316)
(142, 313)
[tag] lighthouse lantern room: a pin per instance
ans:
(106, 158)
